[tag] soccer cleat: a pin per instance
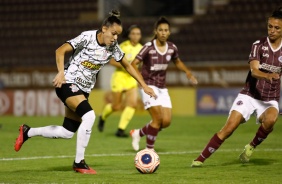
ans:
(196, 163)
(83, 168)
(121, 133)
(22, 137)
(101, 124)
(135, 139)
(246, 154)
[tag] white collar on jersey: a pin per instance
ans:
(161, 53)
(274, 50)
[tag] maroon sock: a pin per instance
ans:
(260, 136)
(144, 131)
(151, 136)
(211, 147)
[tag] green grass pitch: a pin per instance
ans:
(50, 161)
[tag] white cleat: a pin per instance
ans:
(135, 139)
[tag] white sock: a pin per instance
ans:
(50, 132)
(83, 134)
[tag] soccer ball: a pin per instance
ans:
(147, 161)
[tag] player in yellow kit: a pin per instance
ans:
(123, 84)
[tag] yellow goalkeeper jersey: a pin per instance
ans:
(121, 80)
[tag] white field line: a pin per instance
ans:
(129, 154)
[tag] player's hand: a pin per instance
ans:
(59, 80)
(272, 76)
(193, 80)
(150, 92)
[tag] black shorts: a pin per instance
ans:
(68, 90)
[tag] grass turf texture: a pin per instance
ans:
(44, 160)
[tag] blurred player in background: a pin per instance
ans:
(156, 55)
(123, 84)
(74, 81)
(260, 95)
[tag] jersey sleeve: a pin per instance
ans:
(80, 40)
(255, 51)
(118, 54)
(144, 51)
(175, 54)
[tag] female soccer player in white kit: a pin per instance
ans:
(74, 81)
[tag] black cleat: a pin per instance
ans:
(101, 124)
(121, 133)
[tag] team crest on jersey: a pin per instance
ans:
(280, 59)
(168, 57)
(74, 88)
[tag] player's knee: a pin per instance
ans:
(116, 107)
(89, 116)
(165, 123)
(83, 108)
(268, 123)
(66, 133)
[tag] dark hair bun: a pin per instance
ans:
(277, 13)
(114, 13)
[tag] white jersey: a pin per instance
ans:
(88, 58)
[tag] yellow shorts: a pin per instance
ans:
(122, 81)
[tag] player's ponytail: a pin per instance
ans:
(113, 18)
(277, 14)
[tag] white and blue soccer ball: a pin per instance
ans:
(147, 161)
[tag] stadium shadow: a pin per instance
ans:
(252, 162)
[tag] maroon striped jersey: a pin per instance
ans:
(270, 62)
(155, 63)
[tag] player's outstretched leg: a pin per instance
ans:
(83, 168)
(22, 137)
(214, 143)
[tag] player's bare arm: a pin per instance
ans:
(60, 56)
(180, 65)
(137, 76)
(254, 66)
(114, 63)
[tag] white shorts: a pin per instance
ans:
(163, 98)
(247, 106)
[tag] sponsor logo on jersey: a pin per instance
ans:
(170, 51)
(89, 65)
(158, 67)
(83, 83)
(265, 55)
(74, 88)
(270, 68)
(240, 102)
(265, 48)
(152, 52)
